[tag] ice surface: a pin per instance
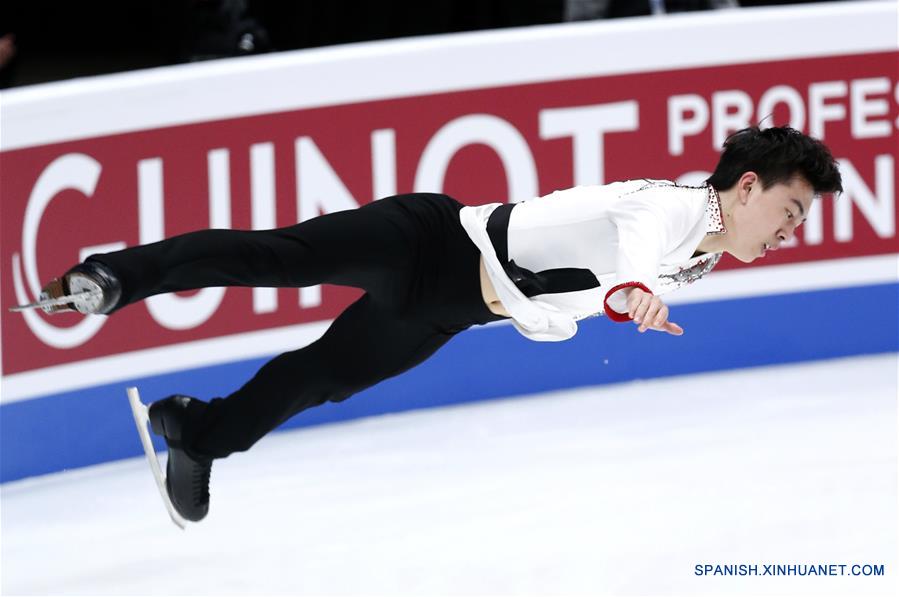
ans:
(615, 490)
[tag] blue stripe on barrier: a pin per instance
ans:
(94, 425)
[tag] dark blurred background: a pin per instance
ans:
(43, 40)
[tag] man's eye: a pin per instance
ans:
(789, 215)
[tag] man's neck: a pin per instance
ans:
(715, 243)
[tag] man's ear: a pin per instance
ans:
(745, 185)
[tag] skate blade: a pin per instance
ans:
(55, 302)
(142, 420)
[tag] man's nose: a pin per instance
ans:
(785, 235)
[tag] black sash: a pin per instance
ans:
(565, 279)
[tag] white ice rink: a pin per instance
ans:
(615, 490)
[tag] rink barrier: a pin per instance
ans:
(90, 426)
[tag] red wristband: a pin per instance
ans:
(613, 314)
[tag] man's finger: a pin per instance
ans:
(661, 317)
(648, 321)
(640, 311)
(633, 301)
(673, 329)
(655, 315)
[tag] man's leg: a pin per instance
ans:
(366, 344)
(367, 248)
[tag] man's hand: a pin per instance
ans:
(650, 313)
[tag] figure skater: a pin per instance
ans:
(432, 267)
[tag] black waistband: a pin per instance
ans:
(567, 279)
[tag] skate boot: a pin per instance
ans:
(91, 286)
(187, 475)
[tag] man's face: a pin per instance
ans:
(767, 218)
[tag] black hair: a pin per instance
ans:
(776, 154)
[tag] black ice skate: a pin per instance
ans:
(185, 486)
(186, 476)
(89, 288)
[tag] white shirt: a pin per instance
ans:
(632, 233)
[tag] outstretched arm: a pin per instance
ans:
(648, 228)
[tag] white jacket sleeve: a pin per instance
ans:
(649, 225)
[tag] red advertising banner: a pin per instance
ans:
(63, 201)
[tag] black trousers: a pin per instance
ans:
(409, 253)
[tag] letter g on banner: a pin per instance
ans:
(71, 171)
